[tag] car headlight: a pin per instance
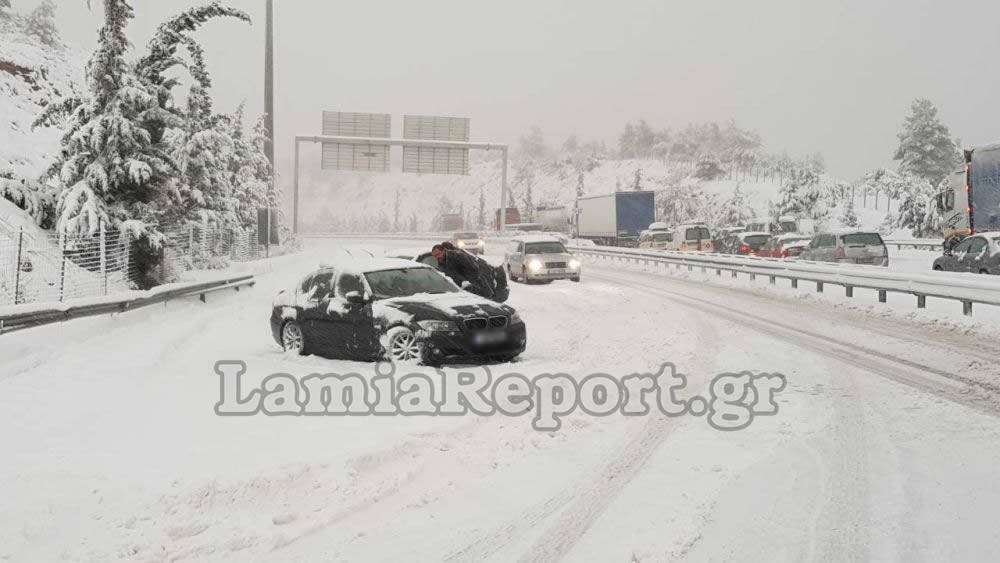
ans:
(535, 265)
(461, 244)
(481, 243)
(574, 264)
(515, 319)
(438, 326)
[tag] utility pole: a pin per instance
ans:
(269, 83)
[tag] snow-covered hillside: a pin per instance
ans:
(31, 74)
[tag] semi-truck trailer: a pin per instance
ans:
(971, 203)
(615, 219)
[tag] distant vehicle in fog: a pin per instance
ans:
(655, 240)
(615, 219)
(691, 237)
(850, 246)
(469, 241)
(785, 246)
(749, 243)
(450, 222)
(554, 219)
(978, 254)
(971, 204)
(511, 217)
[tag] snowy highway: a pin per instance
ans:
(884, 447)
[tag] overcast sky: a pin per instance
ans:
(835, 76)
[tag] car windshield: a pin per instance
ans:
(553, 247)
(659, 237)
(697, 233)
(408, 281)
(862, 239)
(756, 241)
(795, 240)
(788, 226)
(464, 236)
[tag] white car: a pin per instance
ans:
(540, 258)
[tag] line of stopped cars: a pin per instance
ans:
(402, 307)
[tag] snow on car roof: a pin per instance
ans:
(365, 265)
(407, 253)
(851, 231)
(788, 236)
(754, 233)
(536, 238)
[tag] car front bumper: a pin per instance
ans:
(467, 344)
(544, 274)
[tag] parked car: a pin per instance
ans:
(692, 237)
(470, 242)
(979, 254)
(749, 243)
(785, 246)
(848, 246)
(656, 240)
(540, 259)
(393, 309)
(724, 237)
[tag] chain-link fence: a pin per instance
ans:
(41, 266)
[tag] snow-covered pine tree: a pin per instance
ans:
(849, 218)
(926, 149)
(109, 169)
(801, 193)
(162, 56)
(252, 177)
(41, 23)
(736, 210)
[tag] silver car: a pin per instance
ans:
(540, 259)
(848, 246)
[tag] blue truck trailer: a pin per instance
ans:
(615, 219)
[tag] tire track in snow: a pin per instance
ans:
(577, 507)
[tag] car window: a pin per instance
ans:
(321, 286)
(827, 241)
(348, 283)
(962, 246)
(661, 237)
(545, 248)
(977, 245)
(306, 284)
(756, 241)
(466, 236)
(862, 239)
(408, 281)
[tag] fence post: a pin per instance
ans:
(104, 257)
(62, 265)
(17, 273)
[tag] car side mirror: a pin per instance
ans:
(355, 297)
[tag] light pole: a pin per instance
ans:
(269, 83)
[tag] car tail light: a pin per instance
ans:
(744, 249)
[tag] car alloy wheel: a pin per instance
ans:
(292, 338)
(402, 345)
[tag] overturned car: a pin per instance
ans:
(393, 309)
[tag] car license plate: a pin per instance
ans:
(557, 271)
(486, 338)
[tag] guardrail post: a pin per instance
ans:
(718, 272)
(849, 290)
(753, 276)
(967, 308)
(734, 274)
(795, 283)
(881, 296)
(772, 279)
(921, 301)
(819, 287)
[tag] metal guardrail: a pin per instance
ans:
(33, 315)
(929, 244)
(965, 288)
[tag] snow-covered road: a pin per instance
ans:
(885, 445)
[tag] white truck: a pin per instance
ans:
(971, 202)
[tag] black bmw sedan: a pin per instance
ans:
(393, 309)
